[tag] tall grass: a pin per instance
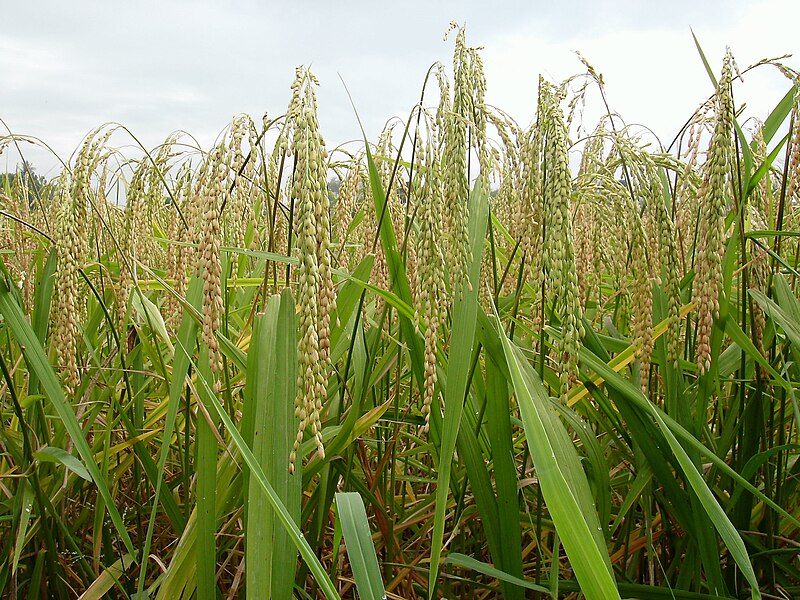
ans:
(500, 361)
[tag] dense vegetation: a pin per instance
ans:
(498, 362)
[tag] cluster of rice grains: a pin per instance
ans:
(559, 252)
(601, 240)
(440, 197)
(430, 287)
(315, 293)
(73, 197)
(22, 201)
(713, 204)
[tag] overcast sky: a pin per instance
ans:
(160, 66)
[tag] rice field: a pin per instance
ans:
(465, 358)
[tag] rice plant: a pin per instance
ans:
(500, 360)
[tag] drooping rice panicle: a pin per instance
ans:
(315, 293)
(431, 291)
(209, 261)
(454, 156)
(560, 253)
(346, 202)
(713, 203)
(71, 246)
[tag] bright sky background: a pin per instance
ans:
(159, 66)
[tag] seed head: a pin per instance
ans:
(431, 292)
(208, 260)
(315, 292)
(711, 241)
(559, 250)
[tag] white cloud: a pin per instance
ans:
(161, 66)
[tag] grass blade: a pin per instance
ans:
(698, 485)
(269, 425)
(458, 368)
(360, 549)
(562, 480)
(209, 398)
(467, 562)
(37, 362)
(206, 493)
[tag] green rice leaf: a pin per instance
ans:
(37, 362)
(57, 455)
(458, 368)
(360, 549)
(213, 405)
(269, 425)
(562, 480)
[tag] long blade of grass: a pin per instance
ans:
(41, 307)
(209, 398)
(506, 506)
(206, 492)
(187, 335)
(26, 505)
(360, 549)
(269, 425)
(459, 362)
(107, 579)
(789, 325)
(37, 362)
(57, 455)
(562, 480)
(779, 114)
(396, 266)
(764, 168)
(698, 485)
(467, 562)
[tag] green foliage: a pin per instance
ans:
(574, 447)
